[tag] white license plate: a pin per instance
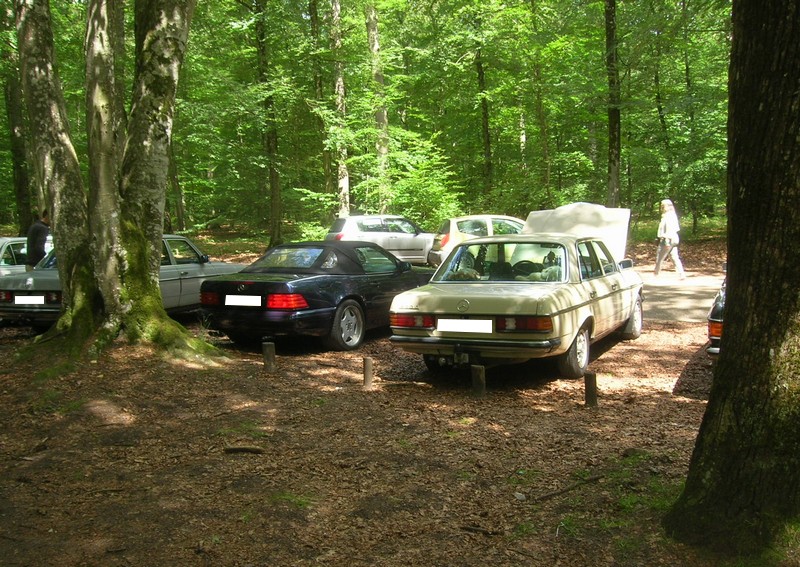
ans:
(464, 325)
(244, 300)
(29, 299)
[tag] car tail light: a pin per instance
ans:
(210, 298)
(339, 236)
(52, 297)
(524, 324)
(286, 301)
(714, 329)
(445, 240)
(412, 320)
(6, 297)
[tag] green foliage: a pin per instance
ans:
(545, 90)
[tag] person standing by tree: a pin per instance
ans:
(37, 238)
(668, 238)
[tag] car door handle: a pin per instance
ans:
(184, 273)
(592, 294)
(614, 287)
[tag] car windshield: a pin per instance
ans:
(505, 262)
(289, 258)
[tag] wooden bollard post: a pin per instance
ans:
(268, 350)
(367, 373)
(590, 389)
(478, 380)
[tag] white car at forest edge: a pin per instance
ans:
(548, 292)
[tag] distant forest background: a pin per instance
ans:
(303, 111)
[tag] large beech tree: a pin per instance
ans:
(744, 477)
(118, 221)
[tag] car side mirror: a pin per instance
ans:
(203, 258)
(626, 264)
(403, 266)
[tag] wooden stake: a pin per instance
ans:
(478, 380)
(367, 373)
(590, 389)
(269, 357)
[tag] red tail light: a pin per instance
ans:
(412, 320)
(290, 301)
(714, 329)
(209, 298)
(524, 324)
(6, 297)
(52, 297)
(445, 240)
(339, 236)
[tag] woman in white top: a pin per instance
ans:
(668, 238)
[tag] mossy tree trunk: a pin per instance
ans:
(744, 477)
(161, 33)
(114, 287)
(56, 167)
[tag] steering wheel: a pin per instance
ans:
(525, 267)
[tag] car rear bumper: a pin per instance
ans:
(32, 318)
(316, 322)
(481, 347)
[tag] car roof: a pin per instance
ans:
(346, 247)
(487, 216)
(4, 239)
(554, 237)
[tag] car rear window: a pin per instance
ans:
(370, 225)
(505, 262)
(287, 258)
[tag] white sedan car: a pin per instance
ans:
(14, 253)
(548, 292)
(34, 298)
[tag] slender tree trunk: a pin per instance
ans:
(488, 165)
(743, 483)
(177, 191)
(269, 134)
(341, 108)
(614, 119)
(319, 94)
(15, 114)
(381, 115)
(56, 168)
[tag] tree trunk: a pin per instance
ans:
(486, 138)
(341, 108)
(269, 134)
(614, 120)
(15, 113)
(319, 94)
(105, 123)
(381, 115)
(744, 474)
(162, 29)
(177, 191)
(57, 169)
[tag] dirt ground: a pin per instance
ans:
(138, 459)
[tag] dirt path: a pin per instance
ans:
(141, 460)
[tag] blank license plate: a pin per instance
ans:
(29, 299)
(464, 325)
(245, 300)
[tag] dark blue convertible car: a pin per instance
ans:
(335, 290)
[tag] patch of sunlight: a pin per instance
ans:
(109, 413)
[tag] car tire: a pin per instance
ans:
(633, 327)
(573, 363)
(348, 328)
